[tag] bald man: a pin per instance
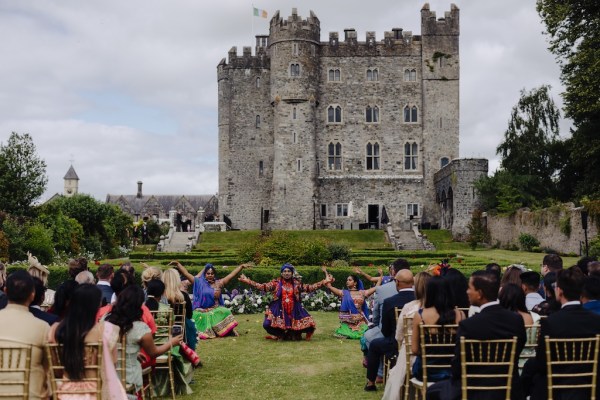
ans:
(387, 344)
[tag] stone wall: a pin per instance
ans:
(544, 225)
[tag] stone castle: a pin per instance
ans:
(343, 133)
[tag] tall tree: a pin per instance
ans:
(530, 142)
(22, 174)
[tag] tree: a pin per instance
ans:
(22, 174)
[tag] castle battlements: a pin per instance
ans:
(294, 28)
(449, 25)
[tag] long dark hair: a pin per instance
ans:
(62, 297)
(128, 308)
(79, 320)
(438, 295)
(458, 285)
(512, 297)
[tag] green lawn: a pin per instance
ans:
(251, 367)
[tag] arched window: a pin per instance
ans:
(410, 114)
(444, 161)
(334, 75)
(406, 75)
(411, 156)
(257, 124)
(294, 69)
(372, 156)
(334, 114)
(334, 156)
(257, 82)
(372, 74)
(372, 114)
(413, 75)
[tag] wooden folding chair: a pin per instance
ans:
(164, 323)
(389, 362)
(437, 344)
(15, 368)
(90, 385)
(407, 343)
(572, 364)
(486, 365)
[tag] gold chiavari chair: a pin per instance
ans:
(532, 335)
(164, 323)
(487, 365)
(90, 385)
(15, 368)
(572, 365)
(407, 344)
(437, 344)
(389, 362)
(179, 316)
(122, 371)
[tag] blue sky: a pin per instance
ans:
(127, 89)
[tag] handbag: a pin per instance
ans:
(189, 354)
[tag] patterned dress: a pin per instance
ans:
(353, 321)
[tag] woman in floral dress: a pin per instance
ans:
(286, 318)
(354, 312)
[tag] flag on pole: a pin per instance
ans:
(260, 13)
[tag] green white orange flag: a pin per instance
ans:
(260, 13)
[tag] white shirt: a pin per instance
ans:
(491, 303)
(571, 303)
(532, 300)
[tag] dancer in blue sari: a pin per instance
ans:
(212, 319)
(354, 311)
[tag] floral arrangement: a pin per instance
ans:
(248, 301)
(440, 268)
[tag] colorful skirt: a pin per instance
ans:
(352, 326)
(288, 326)
(214, 322)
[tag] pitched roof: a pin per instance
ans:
(137, 205)
(71, 174)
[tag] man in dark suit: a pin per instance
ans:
(387, 344)
(492, 322)
(35, 306)
(104, 274)
(571, 321)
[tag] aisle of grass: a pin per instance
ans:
(251, 367)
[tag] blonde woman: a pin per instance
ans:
(37, 270)
(174, 295)
(150, 273)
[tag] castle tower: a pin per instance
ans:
(440, 109)
(294, 47)
(71, 181)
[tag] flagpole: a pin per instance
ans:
(252, 16)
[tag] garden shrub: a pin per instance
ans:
(339, 251)
(565, 225)
(339, 263)
(528, 242)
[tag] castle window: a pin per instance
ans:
(334, 114)
(411, 156)
(294, 138)
(334, 159)
(257, 82)
(295, 50)
(299, 165)
(313, 49)
(294, 113)
(334, 75)
(412, 210)
(261, 168)
(410, 114)
(341, 210)
(257, 123)
(294, 69)
(410, 75)
(444, 161)
(372, 156)
(372, 114)
(372, 74)
(323, 210)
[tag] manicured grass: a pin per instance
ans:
(251, 367)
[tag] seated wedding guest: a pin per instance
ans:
(571, 321)
(594, 268)
(512, 298)
(19, 326)
(590, 294)
(438, 309)
(155, 289)
(3, 298)
(62, 298)
(77, 329)
(37, 270)
(387, 345)
(36, 305)
(549, 305)
(174, 295)
(512, 274)
(492, 322)
(85, 277)
(76, 265)
(149, 273)
(354, 311)
(495, 268)
(530, 282)
(105, 274)
(458, 284)
(583, 263)
(127, 315)
(397, 374)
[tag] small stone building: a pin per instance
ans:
(317, 135)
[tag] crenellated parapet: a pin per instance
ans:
(245, 60)
(448, 25)
(294, 28)
(395, 42)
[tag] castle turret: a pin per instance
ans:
(295, 72)
(71, 180)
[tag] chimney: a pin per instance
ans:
(139, 193)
